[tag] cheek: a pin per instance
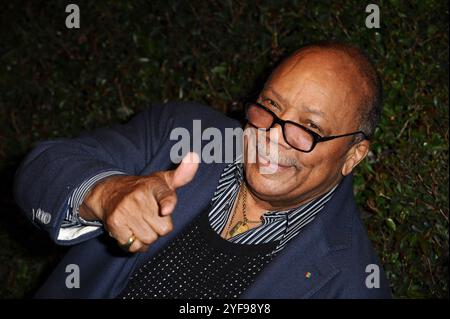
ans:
(318, 166)
(322, 156)
(312, 160)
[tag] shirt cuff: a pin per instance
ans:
(74, 225)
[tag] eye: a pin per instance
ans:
(313, 126)
(271, 104)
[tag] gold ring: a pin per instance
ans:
(129, 242)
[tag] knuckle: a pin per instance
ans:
(170, 198)
(149, 238)
(135, 247)
(139, 196)
(150, 215)
(113, 221)
(152, 237)
(160, 192)
(166, 228)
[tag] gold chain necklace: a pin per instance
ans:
(241, 226)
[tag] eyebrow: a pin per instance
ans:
(306, 108)
(313, 111)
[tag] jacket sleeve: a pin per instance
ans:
(54, 169)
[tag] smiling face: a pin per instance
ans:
(320, 90)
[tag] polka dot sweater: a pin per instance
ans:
(199, 264)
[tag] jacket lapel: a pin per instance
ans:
(303, 267)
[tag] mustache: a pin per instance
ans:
(271, 152)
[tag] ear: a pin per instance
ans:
(355, 155)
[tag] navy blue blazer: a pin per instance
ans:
(334, 248)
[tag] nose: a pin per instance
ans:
(275, 136)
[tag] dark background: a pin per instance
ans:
(56, 82)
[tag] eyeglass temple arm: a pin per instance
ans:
(327, 138)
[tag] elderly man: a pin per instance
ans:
(219, 230)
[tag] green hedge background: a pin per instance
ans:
(56, 82)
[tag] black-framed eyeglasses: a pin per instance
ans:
(296, 135)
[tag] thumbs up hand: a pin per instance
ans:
(136, 210)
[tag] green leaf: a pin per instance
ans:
(391, 224)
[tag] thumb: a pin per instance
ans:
(185, 172)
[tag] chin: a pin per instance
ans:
(269, 185)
